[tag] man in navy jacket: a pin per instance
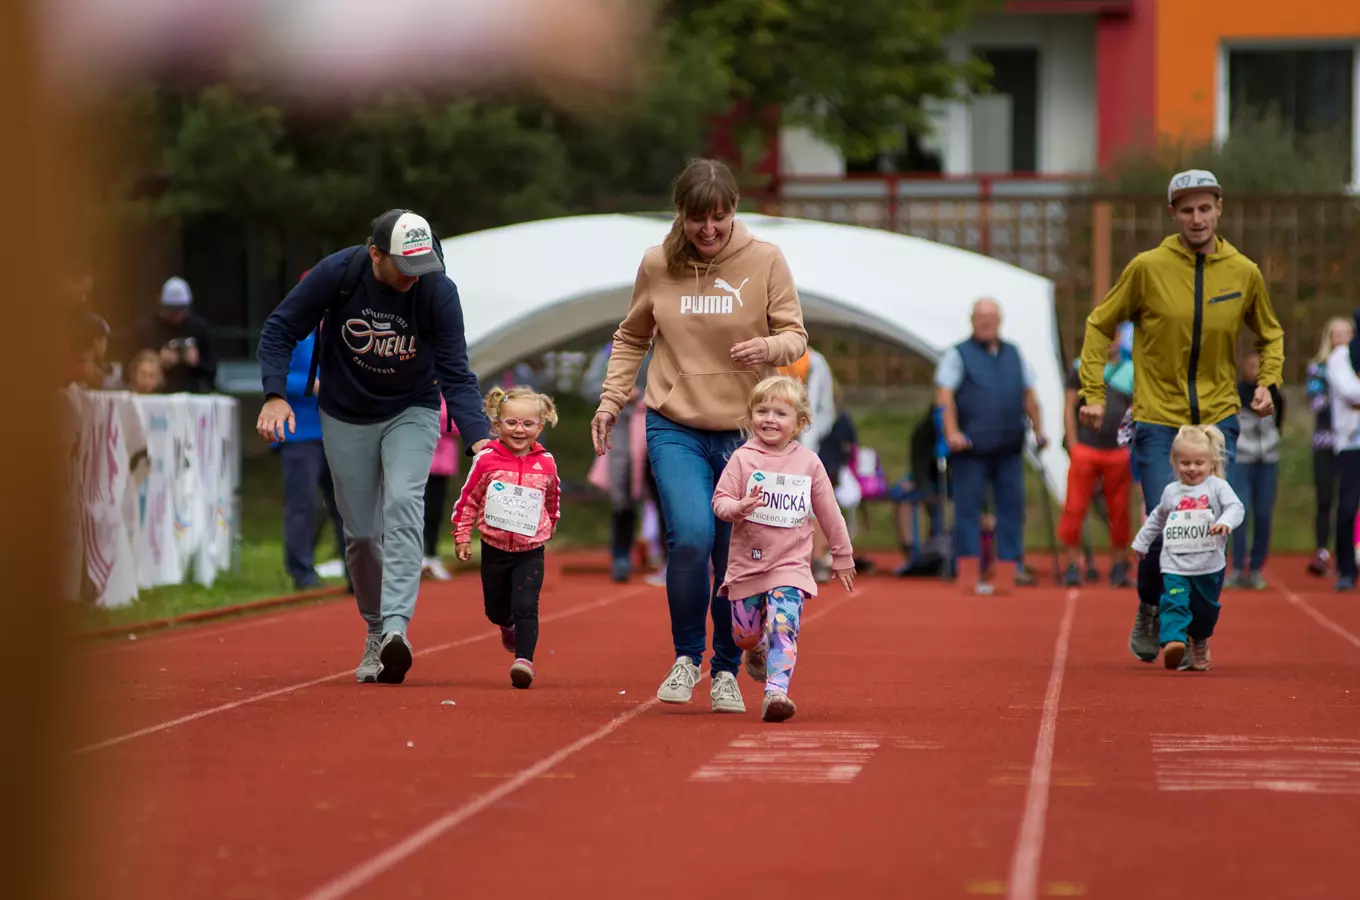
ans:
(391, 341)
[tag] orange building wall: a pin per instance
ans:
(1188, 36)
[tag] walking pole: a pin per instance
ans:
(942, 466)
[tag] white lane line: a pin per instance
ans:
(1029, 846)
(1322, 620)
(302, 685)
(366, 871)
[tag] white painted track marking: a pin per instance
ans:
(1312, 613)
(1029, 846)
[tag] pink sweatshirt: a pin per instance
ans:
(773, 547)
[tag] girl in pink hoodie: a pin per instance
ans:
(770, 486)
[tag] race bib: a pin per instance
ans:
(787, 499)
(513, 507)
(1187, 531)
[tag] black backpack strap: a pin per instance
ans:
(354, 273)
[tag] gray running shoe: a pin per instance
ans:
(1143, 641)
(367, 673)
(679, 684)
(395, 658)
(726, 694)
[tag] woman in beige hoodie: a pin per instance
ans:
(719, 310)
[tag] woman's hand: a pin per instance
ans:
(751, 353)
(600, 426)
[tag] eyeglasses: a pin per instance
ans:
(529, 424)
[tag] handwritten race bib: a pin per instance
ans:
(787, 499)
(1187, 531)
(513, 507)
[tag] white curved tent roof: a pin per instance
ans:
(530, 287)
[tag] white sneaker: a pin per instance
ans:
(679, 684)
(726, 695)
(369, 665)
(435, 567)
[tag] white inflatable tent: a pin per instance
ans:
(530, 287)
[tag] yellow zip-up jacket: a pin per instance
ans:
(1186, 309)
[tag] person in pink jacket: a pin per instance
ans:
(771, 488)
(514, 498)
(443, 467)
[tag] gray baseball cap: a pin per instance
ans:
(1190, 181)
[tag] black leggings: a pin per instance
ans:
(511, 582)
(1325, 486)
(436, 491)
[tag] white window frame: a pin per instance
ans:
(1223, 105)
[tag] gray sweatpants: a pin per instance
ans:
(380, 472)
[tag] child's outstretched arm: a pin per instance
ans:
(1153, 525)
(828, 513)
(730, 500)
(1234, 511)
(468, 507)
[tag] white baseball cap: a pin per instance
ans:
(1192, 180)
(175, 292)
(409, 239)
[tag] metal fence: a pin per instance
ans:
(1308, 248)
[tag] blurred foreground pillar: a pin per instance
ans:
(36, 230)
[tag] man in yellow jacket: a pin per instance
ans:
(1187, 298)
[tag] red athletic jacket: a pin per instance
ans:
(500, 473)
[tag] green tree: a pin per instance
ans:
(858, 74)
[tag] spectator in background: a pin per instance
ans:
(814, 373)
(924, 486)
(89, 346)
(985, 389)
(1254, 477)
(182, 339)
(443, 467)
(143, 374)
(304, 470)
(1097, 459)
(1337, 333)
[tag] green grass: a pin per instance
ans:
(585, 523)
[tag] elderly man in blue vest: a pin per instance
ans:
(985, 391)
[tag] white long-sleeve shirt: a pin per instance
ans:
(1183, 518)
(1345, 387)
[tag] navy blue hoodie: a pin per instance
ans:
(382, 352)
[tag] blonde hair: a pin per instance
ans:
(705, 186)
(1325, 347)
(145, 357)
(499, 396)
(778, 387)
(1206, 438)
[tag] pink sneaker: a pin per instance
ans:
(508, 638)
(522, 673)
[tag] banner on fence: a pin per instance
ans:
(155, 479)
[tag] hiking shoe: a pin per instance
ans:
(394, 658)
(1119, 576)
(1198, 657)
(726, 695)
(679, 684)
(1256, 581)
(1143, 639)
(508, 638)
(1173, 653)
(1072, 576)
(522, 673)
(777, 708)
(755, 659)
(367, 673)
(1320, 564)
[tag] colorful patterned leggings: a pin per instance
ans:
(771, 617)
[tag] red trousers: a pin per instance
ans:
(1087, 468)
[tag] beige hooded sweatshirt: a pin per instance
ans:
(693, 321)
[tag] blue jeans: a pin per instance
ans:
(1152, 452)
(687, 464)
(1190, 607)
(1006, 473)
(1254, 484)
